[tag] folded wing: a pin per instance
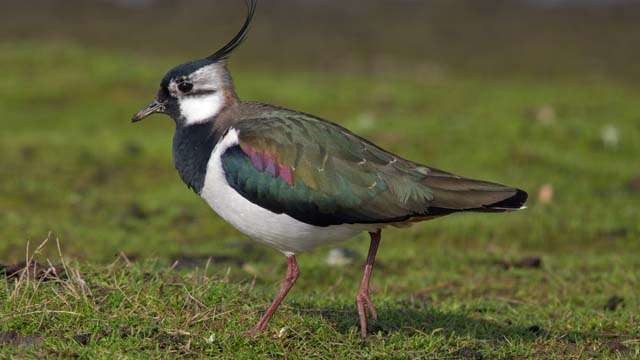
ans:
(322, 174)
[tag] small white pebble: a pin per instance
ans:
(610, 136)
(211, 339)
(341, 257)
(546, 115)
(283, 332)
(250, 269)
(545, 194)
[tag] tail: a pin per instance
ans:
(454, 194)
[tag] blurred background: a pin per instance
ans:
(542, 94)
(539, 94)
(584, 39)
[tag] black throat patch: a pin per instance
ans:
(192, 148)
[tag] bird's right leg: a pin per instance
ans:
(363, 300)
(287, 283)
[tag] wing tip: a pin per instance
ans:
(515, 202)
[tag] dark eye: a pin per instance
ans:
(185, 87)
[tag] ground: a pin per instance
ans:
(144, 269)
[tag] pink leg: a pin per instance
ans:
(363, 301)
(287, 283)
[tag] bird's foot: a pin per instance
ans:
(257, 329)
(253, 332)
(366, 310)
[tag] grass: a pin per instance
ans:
(134, 279)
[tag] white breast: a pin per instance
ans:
(278, 230)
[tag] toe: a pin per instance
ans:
(253, 332)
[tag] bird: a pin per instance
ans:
(295, 181)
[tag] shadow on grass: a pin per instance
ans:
(414, 320)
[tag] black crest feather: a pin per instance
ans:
(228, 48)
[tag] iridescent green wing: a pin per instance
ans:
(322, 174)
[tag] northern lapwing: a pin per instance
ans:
(295, 181)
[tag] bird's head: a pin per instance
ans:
(197, 91)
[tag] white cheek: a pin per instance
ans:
(198, 109)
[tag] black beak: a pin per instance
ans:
(154, 107)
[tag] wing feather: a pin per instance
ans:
(322, 174)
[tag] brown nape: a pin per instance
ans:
(230, 97)
(229, 87)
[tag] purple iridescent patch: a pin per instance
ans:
(269, 164)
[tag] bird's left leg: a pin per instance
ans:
(287, 283)
(363, 301)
